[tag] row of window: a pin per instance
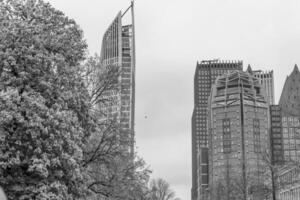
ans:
(256, 135)
(227, 136)
(290, 121)
(212, 72)
(293, 194)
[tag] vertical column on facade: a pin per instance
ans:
(273, 91)
(105, 46)
(114, 41)
(228, 154)
(110, 44)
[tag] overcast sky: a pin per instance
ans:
(171, 36)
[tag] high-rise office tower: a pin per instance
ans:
(290, 107)
(238, 129)
(205, 75)
(266, 79)
(118, 51)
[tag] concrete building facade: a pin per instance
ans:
(238, 128)
(205, 75)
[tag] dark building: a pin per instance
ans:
(276, 140)
(205, 75)
(203, 173)
(290, 107)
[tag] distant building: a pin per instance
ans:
(238, 129)
(289, 183)
(276, 138)
(118, 50)
(205, 75)
(266, 79)
(290, 106)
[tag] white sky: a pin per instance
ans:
(171, 35)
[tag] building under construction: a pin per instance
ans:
(238, 129)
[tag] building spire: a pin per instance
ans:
(296, 69)
(249, 69)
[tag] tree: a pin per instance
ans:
(115, 175)
(275, 170)
(160, 190)
(55, 141)
(44, 104)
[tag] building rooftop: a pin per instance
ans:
(228, 87)
(290, 96)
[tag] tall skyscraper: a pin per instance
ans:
(205, 75)
(238, 129)
(266, 79)
(118, 51)
(290, 107)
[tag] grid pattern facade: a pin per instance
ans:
(291, 138)
(226, 136)
(127, 84)
(203, 173)
(266, 80)
(289, 183)
(238, 125)
(276, 134)
(118, 50)
(290, 107)
(111, 49)
(205, 75)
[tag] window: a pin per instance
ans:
(256, 135)
(226, 136)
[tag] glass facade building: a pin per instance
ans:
(118, 52)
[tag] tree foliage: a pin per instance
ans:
(160, 190)
(115, 173)
(44, 118)
(55, 141)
